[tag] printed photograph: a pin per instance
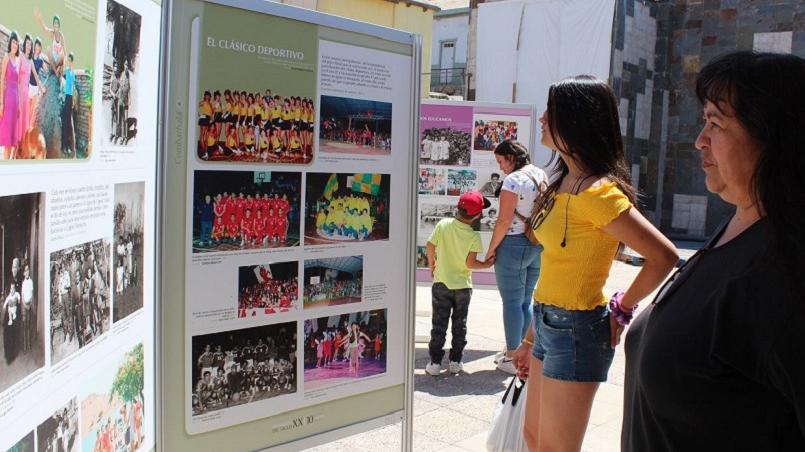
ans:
(344, 348)
(59, 432)
(256, 127)
(22, 274)
(267, 289)
(444, 146)
(255, 107)
(489, 217)
(342, 208)
(489, 183)
(79, 296)
(237, 210)
(460, 181)
(430, 214)
(489, 134)
(354, 126)
(112, 406)
(120, 74)
(432, 181)
(237, 367)
(128, 249)
(421, 257)
(48, 53)
(333, 281)
(26, 444)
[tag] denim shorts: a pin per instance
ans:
(572, 345)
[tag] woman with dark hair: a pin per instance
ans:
(9, 98)
(516, 258)
(587, 211)
(26, 74)
(716, 361)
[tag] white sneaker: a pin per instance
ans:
(499, 356)
(507, 366)
(433, 369)
(455, 367)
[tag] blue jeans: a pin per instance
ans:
(516, 273)
(206, 230)
(572, 345)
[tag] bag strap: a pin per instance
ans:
(517, 390)
(522, 217)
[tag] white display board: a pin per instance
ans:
(456, 154)
(289, 175)
(78, 207)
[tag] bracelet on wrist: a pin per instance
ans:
(527, 342)
(621, 315)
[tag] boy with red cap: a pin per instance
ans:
(452, 250)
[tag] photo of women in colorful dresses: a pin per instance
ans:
(343, 348)
(46, 80)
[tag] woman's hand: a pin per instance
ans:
(616, 330)
(521, 359)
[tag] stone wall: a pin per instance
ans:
(660, 115)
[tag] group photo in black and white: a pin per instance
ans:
(242, 366)
(445, 146)
(432, 213)
(59, 432)
(79, 296)
(22, 274)
(128, 249)
(120, 73)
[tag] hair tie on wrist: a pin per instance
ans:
(617, 312)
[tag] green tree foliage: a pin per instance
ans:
(129, 381)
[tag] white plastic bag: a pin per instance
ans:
(506, 433)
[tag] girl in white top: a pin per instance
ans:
(516, 259)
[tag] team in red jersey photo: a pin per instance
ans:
(267, 289)
(237, 210)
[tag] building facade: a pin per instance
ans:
(448, 69)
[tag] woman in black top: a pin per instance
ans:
(717, 362)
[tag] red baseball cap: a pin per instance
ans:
(473, 202)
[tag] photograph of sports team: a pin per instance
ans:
(112, 406)
(490, 133)
(237, 367)
(45, 95)
(354, 126)
(236, 210)
(79, 296)
(343, 348)
(333, 281)
(257, 127)
(22, 281)
(432, 181)
(445, 146)
(460, 181)
(267, 289)
(342, 207)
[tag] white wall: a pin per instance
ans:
(447, 28)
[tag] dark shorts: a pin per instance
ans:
(286, 125)
(572, 345)
(217, 117)
(203, 121)
(276, 122)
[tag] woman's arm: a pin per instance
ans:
(632, 229)
(508, 202)
(38, 17)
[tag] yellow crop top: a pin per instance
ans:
(572, 277)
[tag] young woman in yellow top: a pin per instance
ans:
(232, 143)
(263, 145)
(295, 145)
(217, 114)
(235, 108)
(276, 143)
(584, 215)
(204, 119)
(248, 139)
(250, 111)
(287, 121)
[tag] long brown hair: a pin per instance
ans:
(583, 121)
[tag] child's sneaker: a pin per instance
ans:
(433, 369)
(455, 367)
